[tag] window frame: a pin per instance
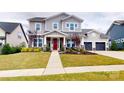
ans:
(37, 42)
(70, 26)
(36, 26)
(66, 24)
(74, 25)
(57, 23)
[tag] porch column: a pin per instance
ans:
(64, 41)
(64, 44)
(44, 47)
(45, 40)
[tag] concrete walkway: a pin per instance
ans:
(54, 65)
(53, 71)
(94, 68)
(22, 72)
(114, 54)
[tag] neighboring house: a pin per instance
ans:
(63, 31)
(13, 34)
(116, 33)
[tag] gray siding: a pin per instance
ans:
(116, 32)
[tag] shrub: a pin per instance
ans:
(30, 49)
(10, 50)
(6, 49)
(37, 49)
(24, 50)
(114, 46)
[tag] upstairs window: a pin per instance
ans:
(55, 25)
(72, 27)
(66, 25)
(37, 26)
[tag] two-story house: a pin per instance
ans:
(64, 31)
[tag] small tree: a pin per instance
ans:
(76, 39)
(114, 46)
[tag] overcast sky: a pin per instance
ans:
(100, 21)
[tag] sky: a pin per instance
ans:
(100, 21)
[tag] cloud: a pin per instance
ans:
(95, 20)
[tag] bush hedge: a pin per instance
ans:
(30, 49)
(7, 49)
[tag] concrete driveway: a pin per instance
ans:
(115, 54)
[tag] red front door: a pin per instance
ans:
(55, 45)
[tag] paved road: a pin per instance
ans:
(115, 54)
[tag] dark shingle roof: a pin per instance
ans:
(8, 26)
(121, 22)
(38, 19)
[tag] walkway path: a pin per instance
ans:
(115, 54)
(54, 65)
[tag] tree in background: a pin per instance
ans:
(114, 46)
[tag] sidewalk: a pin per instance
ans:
(54, 65)
(53, 71)
(94, 68)
(22, 72)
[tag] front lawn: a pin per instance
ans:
(24, 60)
(89, 76)
(72, 60)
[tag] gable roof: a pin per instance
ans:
(54, 31)
(8, 26)
(63, 13)
(103, 36)
(72, 16)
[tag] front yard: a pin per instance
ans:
(72, 60)
(24, 60)
(89, 76)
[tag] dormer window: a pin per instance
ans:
(55, 26)
(37, 26)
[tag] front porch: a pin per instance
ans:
(54, 43)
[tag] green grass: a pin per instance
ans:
(24, 60)
(71, 60)
(89, 76)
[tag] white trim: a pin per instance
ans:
(37, 42)
(57, 23)
(40, 26)
(66, 25)
(70, 26)
(54, 31)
